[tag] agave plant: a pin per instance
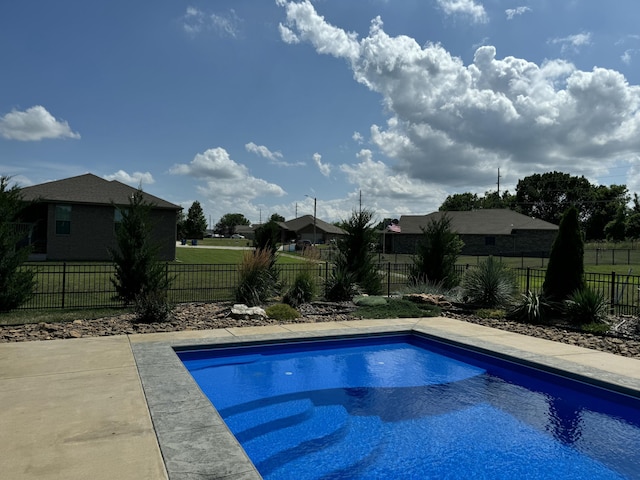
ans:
(533, 308)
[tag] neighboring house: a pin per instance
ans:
(75, 218)
(484, 232)
(308, 228)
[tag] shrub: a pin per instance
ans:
(436, 254)
(17, 283)
(369, 301)
(258, 280)
(491, 284)
(152, 306)
(305, 286)
(565, 270)
(533, 308)
(281, 312)
(585, 306)
(355, 256)
(340, 286)
(137, 269)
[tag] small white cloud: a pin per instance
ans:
(512, 12)
(136, 178)
(34, 124)
(263, 151)
(357, 137)
(195, 21)
(572, 42)
(467, 8)
(325, 168)
(627, 56)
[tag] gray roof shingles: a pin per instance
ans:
(477, 222)
(89, 189)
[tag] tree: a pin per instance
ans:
(632, 226)
(267, 237)
(228, 223)
(615, 229)
(460, 202)
(436, 254)
(565, 271)
(276, 218)
(549, 195)
(355, 256)
(195, 224)
(604, 203)
(16, 284)
(181, 230)
(137, 270)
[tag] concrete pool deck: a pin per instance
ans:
(101, 408)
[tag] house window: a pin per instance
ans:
(63, 219)
(490, 241)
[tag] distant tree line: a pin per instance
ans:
(603, 211)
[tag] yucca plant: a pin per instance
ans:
(491, 284)
(533, 308)
(304, 287)
(586, 306)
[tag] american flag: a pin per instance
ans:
(394, 227)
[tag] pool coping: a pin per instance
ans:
(195, 442)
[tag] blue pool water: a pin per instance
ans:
(406, 407)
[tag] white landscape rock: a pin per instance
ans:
(240, 310)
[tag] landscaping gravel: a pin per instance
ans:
(201, 316)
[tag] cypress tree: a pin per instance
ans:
(565, 271)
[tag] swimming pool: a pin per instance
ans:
(404, 406)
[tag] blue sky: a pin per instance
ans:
(259, 106)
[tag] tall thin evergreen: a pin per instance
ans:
(565, 271)
(355, 256)
(137, 269)
(436, 254)
(16, 283)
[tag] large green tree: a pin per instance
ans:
(549, 195)
(471, 201)
(195, 225)
(565, 271)
(228, 223)
(16, 283)
(137, 269)
(436, 254)
(601, 206)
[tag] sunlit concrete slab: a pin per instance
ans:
(263, 330)
(58, 356)
(69, 415)
(182, 335)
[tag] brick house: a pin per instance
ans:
(75, 218)
(308, 228)
(484, 232)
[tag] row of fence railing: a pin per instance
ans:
(85, 286)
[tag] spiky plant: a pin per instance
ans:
(491, 284)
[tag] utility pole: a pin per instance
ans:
(498, 182)
(315, 202)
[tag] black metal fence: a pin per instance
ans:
(69, 285)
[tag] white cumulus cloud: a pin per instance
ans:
(225, 177)
(455, 124)
(135, 178)
(466, 8)
(572, 42)
(34, 124)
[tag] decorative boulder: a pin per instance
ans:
(243, 312)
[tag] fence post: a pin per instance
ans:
(613, 293)
(326, 277)
(64, 281)
(388, 279)
(528, 276)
